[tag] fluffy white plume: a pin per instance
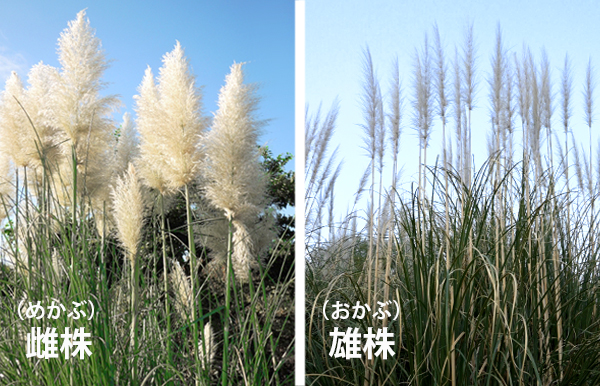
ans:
(127, 145)
(129, 209)
(13, 122)
(79, 111)
(43, 144)
(183, 291)
(170, 123)
(235, 180)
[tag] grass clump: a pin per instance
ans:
(122, 218)
(494, 271)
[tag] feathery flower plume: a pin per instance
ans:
(588, 91)
(13, 122)
(42, 145)
(322, 168)
(395, 116)
(148, 121)
(468, 92)
(546, 91)
(127, 145)
(181, 102)
(206, 349)
(235, 180)
(79, 111)
(129, 211)
(495, 82)
(509, 114)
(126, 148)
(440, 75)
(183, 292)
(566, 90)
(458, 108)
(170, 123)
(371, 100)
(423, 97)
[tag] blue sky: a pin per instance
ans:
(337, 31)
(136, 34)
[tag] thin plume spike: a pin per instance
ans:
(371, 106)
(546, 91)
(496, 83)
(370, 103)
(580, 174)
(396, 104)
(536, 114)
(468, 94)
(588, 94)
(458, 111)
(566, 110)
(566, 91)
(440, 78)
(468, 68)
(423, 95)
(319, 160)
(318, 137)
(380, 132)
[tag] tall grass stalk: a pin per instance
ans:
(395, 120)
(588, 93)
(566, 90)
(371, 103)
(442, 105)
(229, 277)
(194, 275)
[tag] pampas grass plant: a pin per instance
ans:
(170, 126)
(234, 183)
(495, 282)
(129, 219)
(89, 209)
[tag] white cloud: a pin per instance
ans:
(10, 62)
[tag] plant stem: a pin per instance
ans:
(229, 274)
(165, 271)
(193, 274)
